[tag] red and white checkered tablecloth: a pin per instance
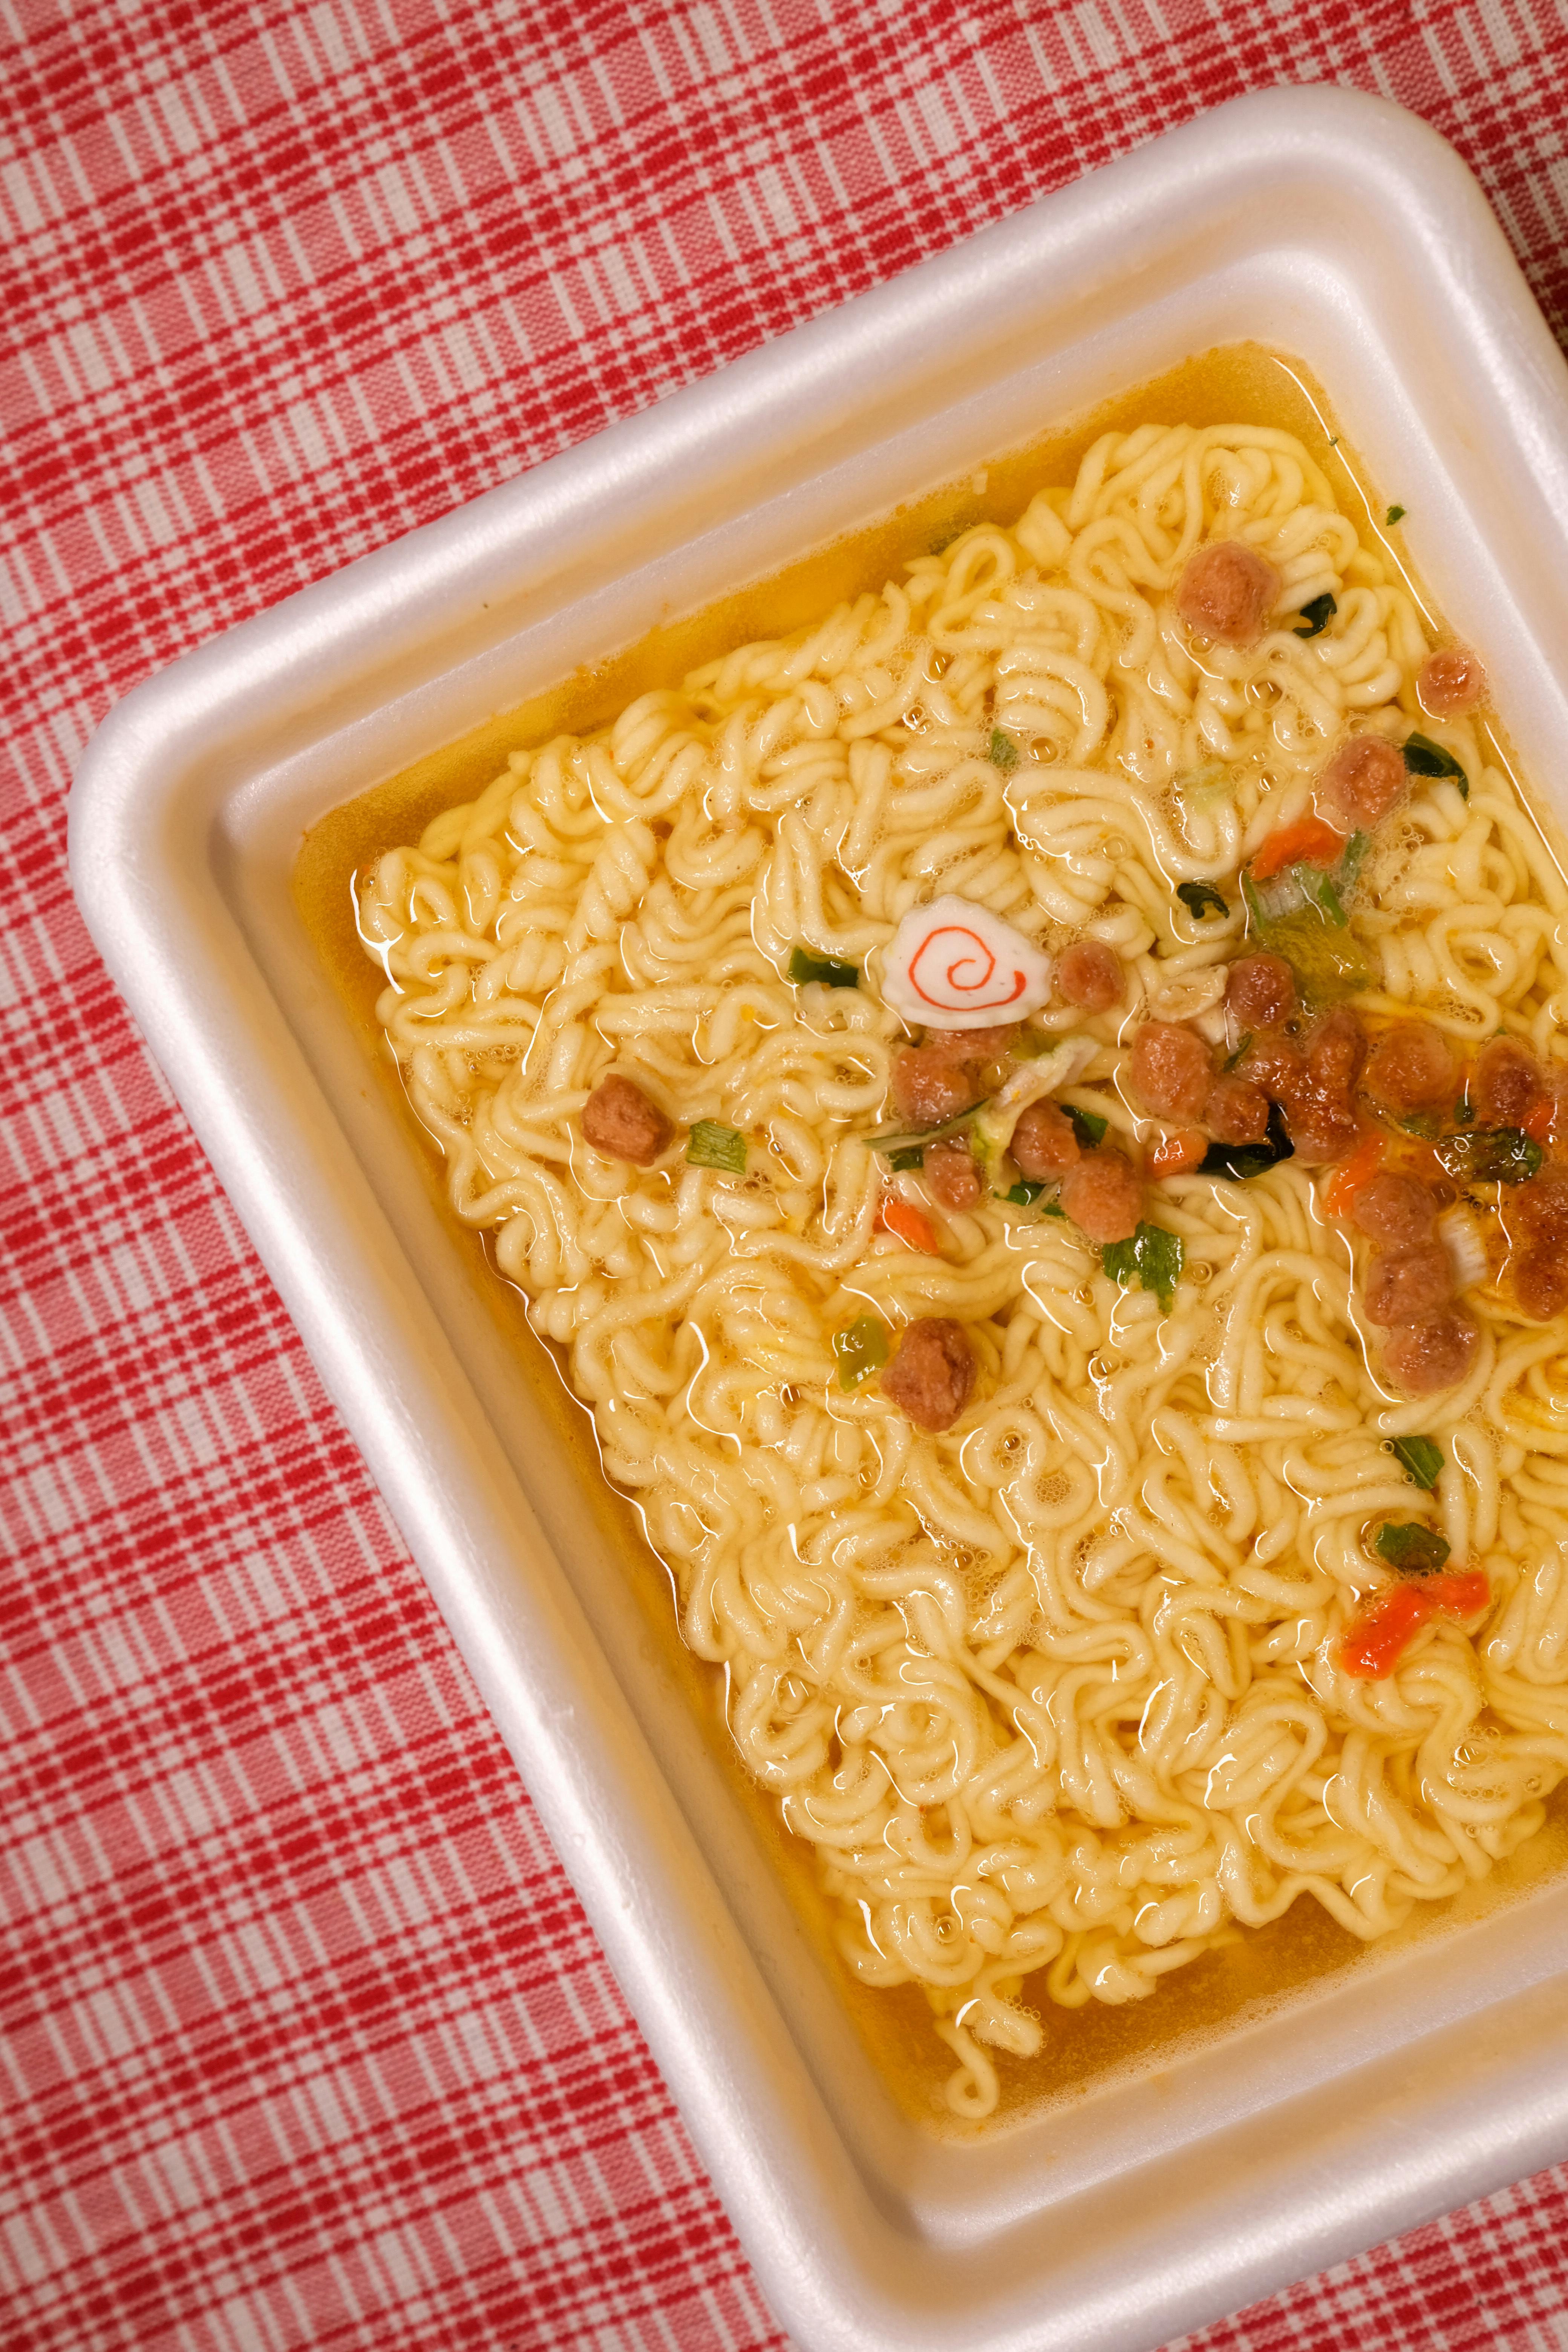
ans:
(305, 2039)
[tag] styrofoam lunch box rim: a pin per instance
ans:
(1324, 223)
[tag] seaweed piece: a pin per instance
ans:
(1424, 758)
(805, 964)
(1244, 1159)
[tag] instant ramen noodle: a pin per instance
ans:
(1031, 1112)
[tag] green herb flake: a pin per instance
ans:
(1054, 1209)
(1422, 1123)
(1463, 1112)
(1421, 1458)
(1024, 1195)
(861, 1349)
(1201, 899)
(912, 1156)
(1409, 1547)
(805, 965)
(1233, 1061)
(1490, 1155)
(1152, 1258)
(1316, 614)
(1003, 751)
(1087, 1125)
(1395, 514)
(712, 1146)
(1424, 758)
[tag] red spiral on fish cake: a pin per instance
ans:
(964, 997)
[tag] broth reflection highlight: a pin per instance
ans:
(1118, 1453)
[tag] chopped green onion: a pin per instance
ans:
(712, 1146)
(899, 1135)
(1211, 782)
(1317, 614)
(1422, 1460)
(1273, 899)
(1200, 899)
(1422, 1123)
(1024, 1195)
(805, 965)
(1233, 1061)
(861, 1349)
(995, 1120)
(1087, 1125)
(1054, 1209)
(1003, 751)
(1463, 1112)
(1152, 1258)
(1406, 1544)
(1353, 859)
(1323, 956)
(1317, 888)
(1424, 758)
(1490, 1155)
(1396, 514)
(912, 1156)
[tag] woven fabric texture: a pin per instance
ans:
(307, 2042)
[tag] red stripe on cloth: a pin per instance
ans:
(305, 2039)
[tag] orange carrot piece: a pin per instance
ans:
(1309, 842)
(1374, 1641)
(1537, 1123)
(909, 1225)
(1463, 1595)
(1351, 1174)
(1175, 1154)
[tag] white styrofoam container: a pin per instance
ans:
(1330, 226)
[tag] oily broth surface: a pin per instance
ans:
(992, 2036)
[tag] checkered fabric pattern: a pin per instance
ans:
(307, 2042)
